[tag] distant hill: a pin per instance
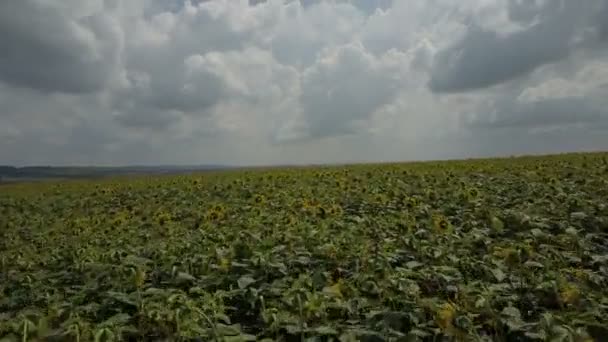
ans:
(33, 173)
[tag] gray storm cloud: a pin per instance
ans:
(46, 49)
(276, 81)
(484, 58)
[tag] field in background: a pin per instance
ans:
(495, 250)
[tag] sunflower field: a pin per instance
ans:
(512, 249)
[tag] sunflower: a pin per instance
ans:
(512, 257)
(431, 195)
(336, 210)
(162, 218)
(380, 199)
(259, 199)
(219, 208)
(309, 204)
(290, 220)
(441, 224)
(224, 264)
(444, 317)
(569, 294)
(411, 202)
(139, 277)
(214, 215)
(321, 212)
(256, 212)
(473, 193)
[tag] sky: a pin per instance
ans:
(254, 82)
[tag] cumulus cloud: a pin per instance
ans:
(345, 85)
(53, 49)
(485, 57)
(288, 81)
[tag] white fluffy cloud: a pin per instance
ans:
(299, 81)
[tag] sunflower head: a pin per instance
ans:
(444, 317)
(219, 208)
(580, 274)
(224, 264)
(336, 210)
(411, 202)
(441, 224)
(569, 294)
(213, 215)
(163, 218)
(259, 199)
(290, 220)
(322, 212)
(309, 204)
(473, 193)
(431, 195)
(380, 199)
(139, 277)
(512, 257)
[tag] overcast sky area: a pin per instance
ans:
(242, 82)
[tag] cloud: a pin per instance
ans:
(547, 113)
(284, 81)
(484, 57)
(47, 48)
(345, 85)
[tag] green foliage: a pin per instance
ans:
(485, 250)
